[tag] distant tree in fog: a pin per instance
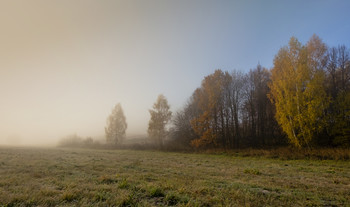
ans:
(116, 126)
(160, 116)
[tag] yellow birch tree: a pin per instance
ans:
(298, 94)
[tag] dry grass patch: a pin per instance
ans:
(82, 177)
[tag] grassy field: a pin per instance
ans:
(82, 177)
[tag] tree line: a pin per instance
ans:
(229, 110)
(303, 100)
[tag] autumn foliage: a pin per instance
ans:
(298, 92)
(303, 100)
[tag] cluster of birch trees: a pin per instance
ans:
(115, 130)
(303, 100)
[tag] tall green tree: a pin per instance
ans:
(160, 116)
(116, 126)
(297, 90)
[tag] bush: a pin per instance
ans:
(75, 141)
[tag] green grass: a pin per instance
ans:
(83, 177)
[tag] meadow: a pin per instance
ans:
(88, 177)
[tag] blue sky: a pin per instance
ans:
(65, 64)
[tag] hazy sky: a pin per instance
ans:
(65, 63)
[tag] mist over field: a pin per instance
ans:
(65, 64)
(174, 103)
